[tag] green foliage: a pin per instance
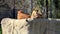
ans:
(51, 6)
(0, 30)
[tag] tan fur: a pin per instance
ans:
(22, 15)
(35, 14)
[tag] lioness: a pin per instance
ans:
(22, 15)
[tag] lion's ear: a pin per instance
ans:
(37, 10)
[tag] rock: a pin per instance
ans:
(14, 26)
(35, 26)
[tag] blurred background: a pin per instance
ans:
(49, 8)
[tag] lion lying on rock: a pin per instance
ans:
(22, 15)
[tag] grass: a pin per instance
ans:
(0, 30)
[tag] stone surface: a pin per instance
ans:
(35, 26)
(13, 26)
